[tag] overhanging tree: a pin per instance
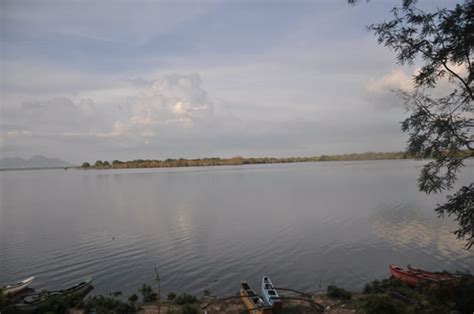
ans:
(441, 121)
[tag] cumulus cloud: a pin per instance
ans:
(174, 116)
(173, 100)
(395, 80)
(399, 80)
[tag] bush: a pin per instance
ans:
(185, 299)
(148, 294)
(338, 293)
(171, 296)
(387, 285)
(109, 304)
(6, 304)
(376, 304)
(456, 295)
(189, 309)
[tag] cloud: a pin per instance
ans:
(173, 100)
(395, 80)
(175, 116)
(131, 22)
(52, 117)
(42, 79)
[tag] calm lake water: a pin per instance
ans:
(306, 225)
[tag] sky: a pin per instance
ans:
(88, 80)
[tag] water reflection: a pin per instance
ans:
(306, 225)
(404, 225)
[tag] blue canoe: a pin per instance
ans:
(269, 294)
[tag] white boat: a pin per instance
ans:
(35, 302)
(269, 294)
(17, 287)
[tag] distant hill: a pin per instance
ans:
(33, 162)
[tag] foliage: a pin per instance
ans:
(185, 299)
(376, 304)
(158, 282)
(453, 296)
(207, 292)
(338, 293)
(85, 165)
(6, 304)
(148, 294)
(3, 299)
(449, 297)
(189, 309)
(56, 304)
(110, 304)
(439, 127)
(386, 286)
(461, 205)
(171, 296)
(215, 161)
(133, 298)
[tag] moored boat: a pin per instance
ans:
(414, 277)
(407, 276)
(17, 287)
(269, 294)
(33, 302)
(252, 302)
(440, 275)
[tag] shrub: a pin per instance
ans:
(189, 309)
(376, 304)
(389, 285)
(6, 304)
(185, 299)
(148, 294)
(171, 296)
(338, 293)
(107, 304)
(456, 295)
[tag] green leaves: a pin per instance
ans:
(461, 205)
(443, 40)
(439, 128)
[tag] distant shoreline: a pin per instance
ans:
(238, 161)
(38, 168)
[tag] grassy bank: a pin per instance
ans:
(386, 296)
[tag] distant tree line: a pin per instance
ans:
(216, 161)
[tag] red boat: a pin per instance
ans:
(413, 277)
(405, 275)
(443, 275)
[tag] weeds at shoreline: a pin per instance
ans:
(385, 296)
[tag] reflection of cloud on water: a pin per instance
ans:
(450, 243)
(183, 219)
(403, 225)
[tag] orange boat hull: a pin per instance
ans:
(413, 277)
(406, 276)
